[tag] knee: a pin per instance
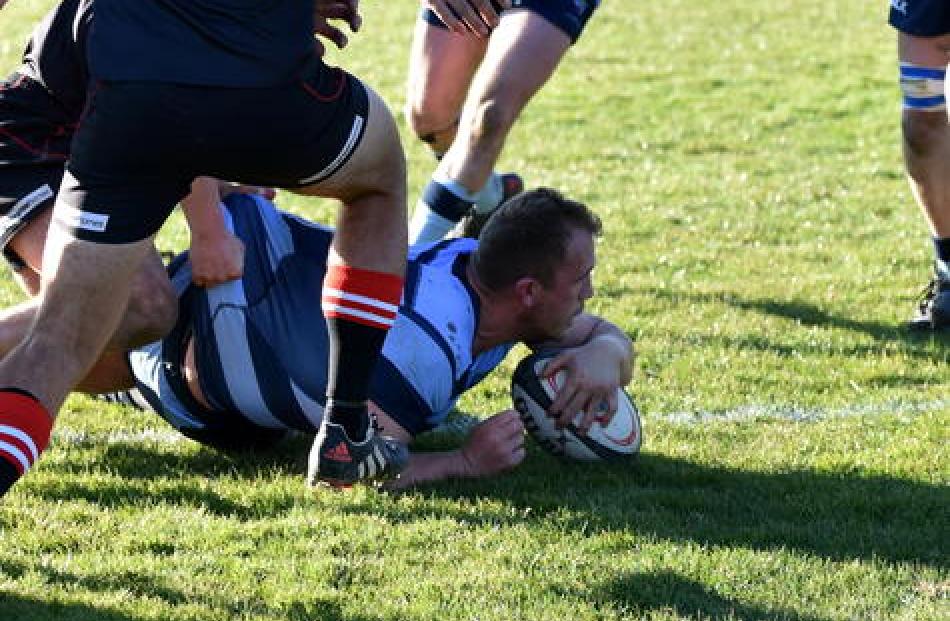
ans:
(152, 310)
(924, 131)
(427, 123)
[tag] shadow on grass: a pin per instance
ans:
(30, 609)
(808, 314)
(666, 591)
(140, 586)
(135, 583)
(838, 516)
(137, 473)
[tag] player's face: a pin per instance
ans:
(572, 286)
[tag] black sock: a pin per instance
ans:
(360, 306)
(942, 248)
(355, 348)
(8, 476)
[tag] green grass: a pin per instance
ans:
(763, 248)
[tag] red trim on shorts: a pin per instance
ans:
(333, 96)
(32, 150)
(88, 105)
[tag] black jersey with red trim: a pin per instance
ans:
(229, 43)
(55, 57)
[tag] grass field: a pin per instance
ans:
(761, 246)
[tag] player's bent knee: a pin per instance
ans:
(152, 310)
(426, 125)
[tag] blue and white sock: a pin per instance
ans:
(443, 204)
(490, 196)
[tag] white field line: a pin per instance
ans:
(460, 423)
(801, 414)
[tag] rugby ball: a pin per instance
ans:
(533, 394)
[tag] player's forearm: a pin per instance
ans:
(614, 340)
(201, 210)
(592, 331)
(618, 348)
(431, 467)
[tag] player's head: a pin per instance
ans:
(540, 246)
(529, 236)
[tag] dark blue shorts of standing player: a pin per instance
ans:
(35, 132)
(569, 15)
(921, 18)
(140, 144)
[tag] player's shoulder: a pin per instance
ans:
(436, 276)
(441, 252)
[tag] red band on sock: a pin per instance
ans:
(363, 296)
(25, 427)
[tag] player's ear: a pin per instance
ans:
(527, 290)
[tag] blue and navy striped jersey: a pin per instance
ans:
(261, 341)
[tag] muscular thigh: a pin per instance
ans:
(569, 16)
(441, 66)
(375, 163)
(925, 51)
(523, 53)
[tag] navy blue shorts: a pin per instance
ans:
(921, 18)
(569, 15)
(140, 144)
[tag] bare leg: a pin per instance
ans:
(84, 294)
(926, 141)
(523, 53)
(371, 186)
(441, 66)
(927, 138)
(361, 293)
(83, 298)
(150, 313)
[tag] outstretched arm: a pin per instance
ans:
(598, 360)
(493, 446)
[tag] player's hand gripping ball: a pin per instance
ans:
(533, 394)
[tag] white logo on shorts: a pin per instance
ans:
(86, 220)
(900, 6)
